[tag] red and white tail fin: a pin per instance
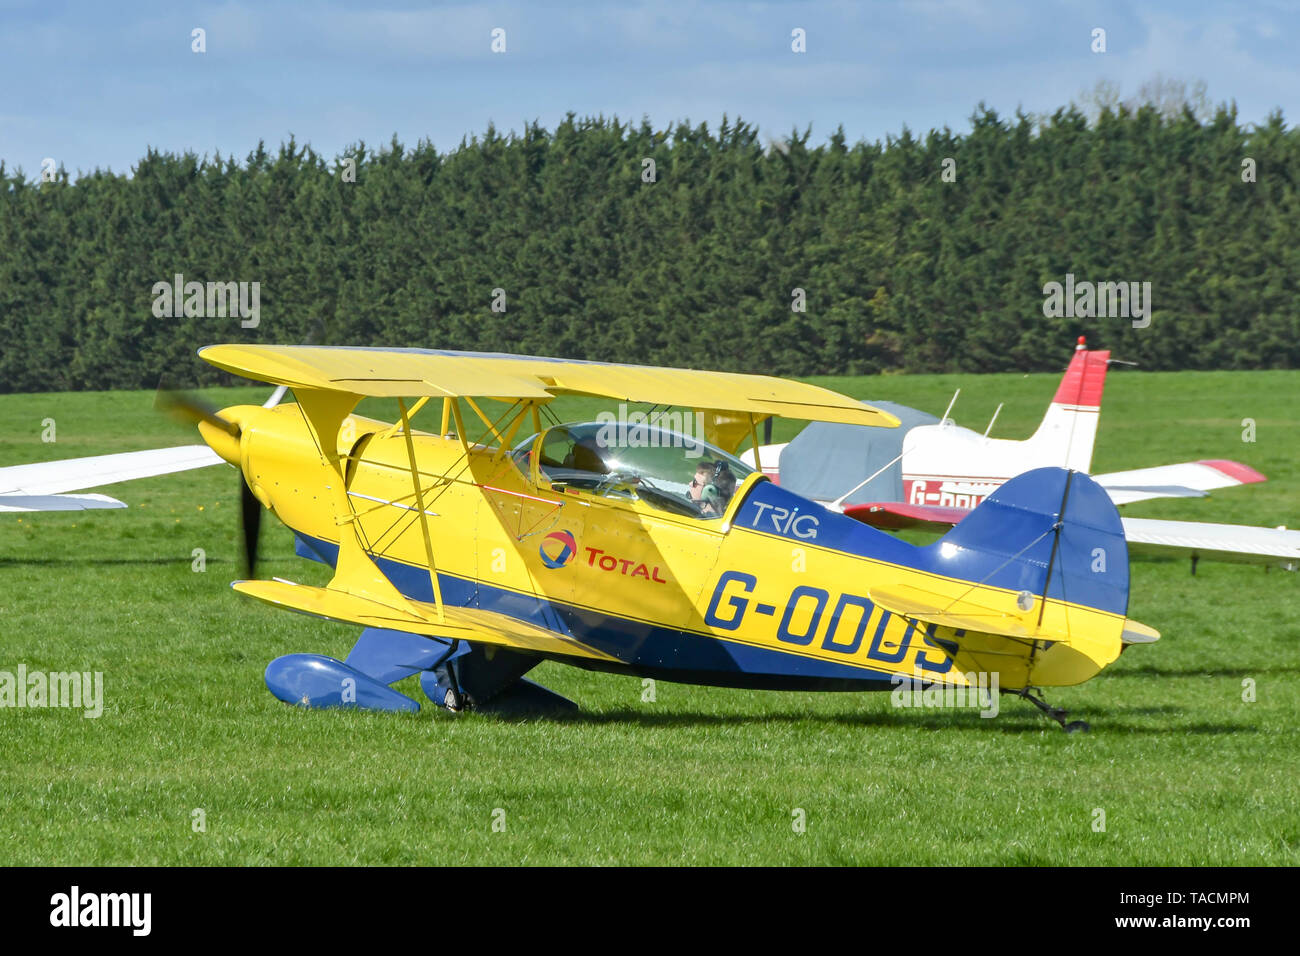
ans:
(1068, 430)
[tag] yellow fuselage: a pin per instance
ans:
(757, 603)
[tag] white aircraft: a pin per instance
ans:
(44, 486)
(930, 473)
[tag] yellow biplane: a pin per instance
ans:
(493, 537)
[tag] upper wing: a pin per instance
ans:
(73, 474)
(1216, 542)
(58, 502)
(421, 372)
(1189, 479)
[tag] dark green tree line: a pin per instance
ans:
(901, 267)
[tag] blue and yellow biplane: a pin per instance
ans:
(474, 548)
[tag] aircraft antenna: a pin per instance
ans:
(948, 411)
(993, 419)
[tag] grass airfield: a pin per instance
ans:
(1185, 771)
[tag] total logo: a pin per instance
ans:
(626, 566)
(558, 549)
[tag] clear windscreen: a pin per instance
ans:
(667, 469)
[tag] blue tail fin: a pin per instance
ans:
(1012, 540)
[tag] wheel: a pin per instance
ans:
(451, 700)
(1081, 725)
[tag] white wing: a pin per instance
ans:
(74, 474)
(57, 502)
(1189, 479)
(1215, 542)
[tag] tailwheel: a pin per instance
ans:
(1035, 697)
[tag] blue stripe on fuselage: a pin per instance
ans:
(639, 644)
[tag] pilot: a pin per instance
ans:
(585, 456)
(717, 493)
(703, 472)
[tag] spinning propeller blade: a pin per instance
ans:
(191, 408)
(250, 510)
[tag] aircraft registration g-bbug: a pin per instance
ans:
(469, 560)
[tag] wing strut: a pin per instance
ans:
(356, 572)
(424, 517)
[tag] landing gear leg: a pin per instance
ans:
(1035, 697)
(448, 683)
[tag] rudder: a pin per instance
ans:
(1012, 540)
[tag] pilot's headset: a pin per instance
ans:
(724, 480)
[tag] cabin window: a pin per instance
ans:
(667, 470)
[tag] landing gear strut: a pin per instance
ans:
(1057, 714)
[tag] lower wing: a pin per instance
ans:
(74, 474)
(418, 617)
(57, 502)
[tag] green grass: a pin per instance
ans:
(1186, 772)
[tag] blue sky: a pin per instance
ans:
(93, 84)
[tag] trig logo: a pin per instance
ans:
(558, 549)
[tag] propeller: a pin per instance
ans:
(190, 408)
(250, 512)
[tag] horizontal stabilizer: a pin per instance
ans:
(1136, 633)
(1188, 479)
(986, 610)
(418, 617)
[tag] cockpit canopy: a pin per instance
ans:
(666, 469)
